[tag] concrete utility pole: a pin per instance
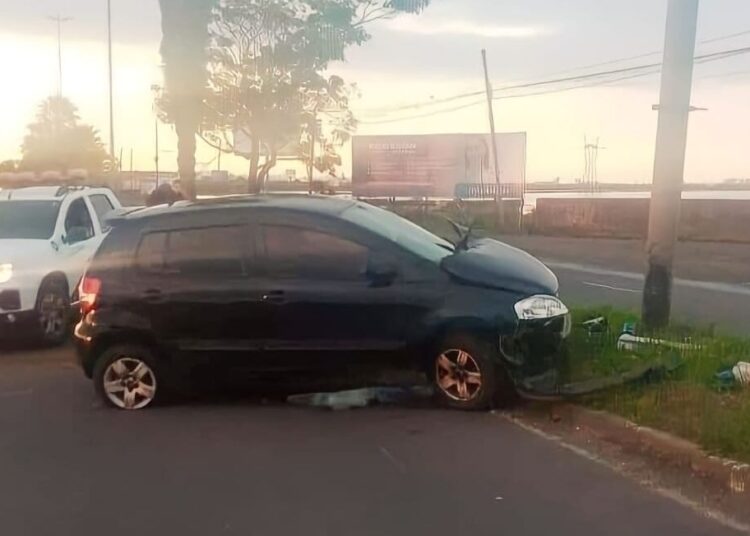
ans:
(156, 150)
(488, 88)
(669, 160)
(111, 90)
(157, 91)
(59, 20)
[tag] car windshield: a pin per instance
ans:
(397, 229)
(31, 220)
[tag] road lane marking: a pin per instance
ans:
(713, 286)
(391, 458)
(608, 287)
(673, 495)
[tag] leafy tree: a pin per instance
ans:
(183, 50)
(266, 60)
(58, 141)
(9, 166)
(320, 142)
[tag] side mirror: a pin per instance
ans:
(381, 272)
(76, 234)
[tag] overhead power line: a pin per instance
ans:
(477, 102)
(433, 102)
(724, 37)
(648, 54)
(592, 80)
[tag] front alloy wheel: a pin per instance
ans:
(458, 375)
(465, 373)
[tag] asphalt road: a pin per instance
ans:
(724, 305)
(711, 285)
(69, 466)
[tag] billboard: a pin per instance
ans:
(432, 165)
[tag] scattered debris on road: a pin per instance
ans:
(737, 375)
(360, 398)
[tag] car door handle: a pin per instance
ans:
(274, 296)
(153, 295)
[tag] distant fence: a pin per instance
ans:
(480, 214)
(720, 220)
(490, 190)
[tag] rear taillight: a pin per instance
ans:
(88, 291)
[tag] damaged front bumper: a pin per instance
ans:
(535, 355)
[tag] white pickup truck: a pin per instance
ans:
(47, 236)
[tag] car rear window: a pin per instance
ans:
(207, 252)
(152, 252)
(199, 252)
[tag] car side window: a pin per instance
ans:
(298, 253)
(102, 206)
(202, 252)
(78, 221)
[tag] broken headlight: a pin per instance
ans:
(540, 306)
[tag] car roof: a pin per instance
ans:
(44, 193)
(315, 204)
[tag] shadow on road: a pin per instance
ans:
(28, 350)
(16, 346)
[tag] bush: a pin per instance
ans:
(685, 398)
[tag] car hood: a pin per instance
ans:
(18, 251)
(494, 264)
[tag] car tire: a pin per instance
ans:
(53, 312)
(129, 377)
(466, 375)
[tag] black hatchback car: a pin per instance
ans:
(301, 284)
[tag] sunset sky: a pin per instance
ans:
(413, 59)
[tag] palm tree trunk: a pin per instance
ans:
(186, 125)
(265, 170)
(253, 185)
(183, 49)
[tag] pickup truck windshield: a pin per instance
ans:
(397, 229)
(28, 220)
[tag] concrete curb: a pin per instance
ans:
(732, 475)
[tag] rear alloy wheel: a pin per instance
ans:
(126, 378)
(53, 308)
(464, 373)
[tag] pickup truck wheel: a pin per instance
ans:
(53, 309)
(128, 377)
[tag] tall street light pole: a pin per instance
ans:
(59, 20)
(111, 95)
(669, 159)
